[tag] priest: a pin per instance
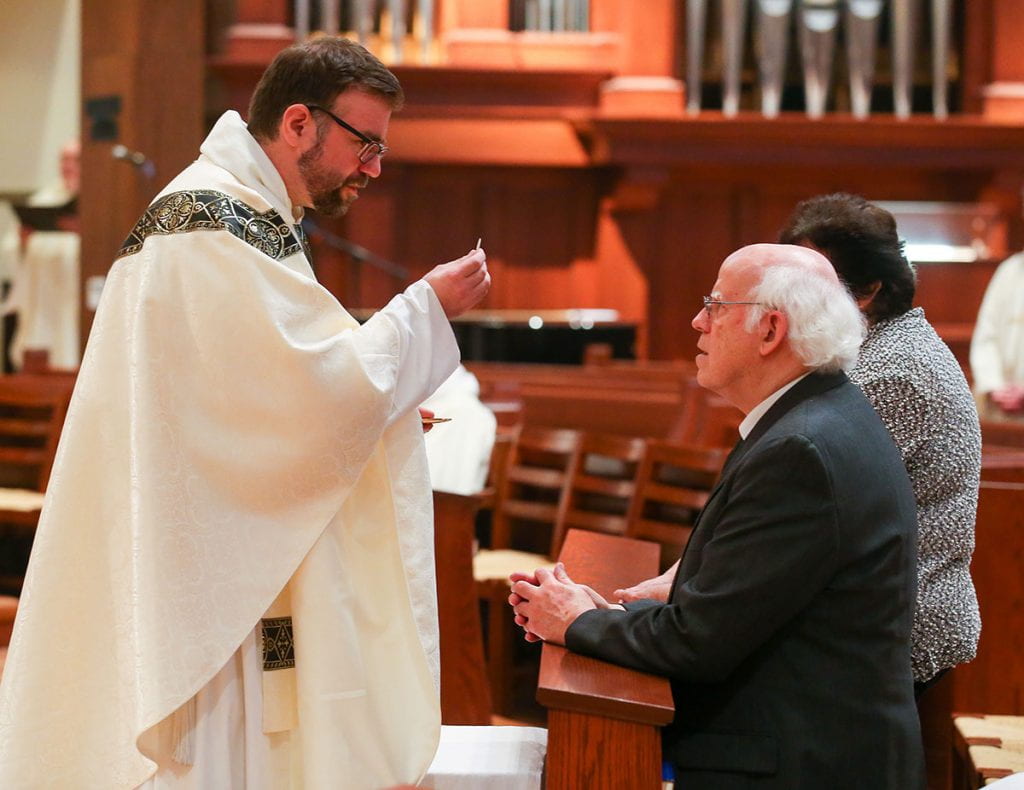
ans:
(232, 580)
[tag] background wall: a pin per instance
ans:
(39, 88)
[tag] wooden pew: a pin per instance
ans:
(1002, 464)
(603, 720)
(1000, 429)
(627, 412)
(650, 376)
(649, 399)
(646, 398)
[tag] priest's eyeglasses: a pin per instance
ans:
(710, 302)
(371, 147)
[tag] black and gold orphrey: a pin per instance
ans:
(278, 643)
(207, 209)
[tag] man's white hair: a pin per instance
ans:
(826, 327)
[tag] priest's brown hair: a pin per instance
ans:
(315, 72)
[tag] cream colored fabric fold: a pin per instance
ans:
(232, 428)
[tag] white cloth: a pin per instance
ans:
(1011, 782)
(233, 431)
(488, 758)
(44, 294)
(997, 347)
(459, 452)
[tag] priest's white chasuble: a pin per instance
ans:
(235, 553)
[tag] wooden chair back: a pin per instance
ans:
(465, 693)
(999, 429)
(673, 483)
(602, 479)
(707, 420)
(508, 411)
(32, 410)
(534, 487)
(497, 470)
(626, 398)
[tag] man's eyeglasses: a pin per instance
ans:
(371, 147)
(710, 302)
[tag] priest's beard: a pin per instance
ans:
(325, 185)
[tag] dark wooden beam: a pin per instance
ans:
(143, 61)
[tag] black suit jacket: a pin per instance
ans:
(787, 632)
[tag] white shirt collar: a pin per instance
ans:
(759, 410)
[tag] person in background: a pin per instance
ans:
(41, 310)
(786, 631)
(997, 346)
(65, 189)
(10, 259)
(232, 583)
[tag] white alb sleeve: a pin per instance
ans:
(428, 352)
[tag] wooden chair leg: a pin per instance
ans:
(935, 709)
(500, 636)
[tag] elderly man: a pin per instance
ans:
(787, 631)
(232, 584)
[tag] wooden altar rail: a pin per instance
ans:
(603, 720)
(635, 375)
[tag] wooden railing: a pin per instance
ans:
(603, 720)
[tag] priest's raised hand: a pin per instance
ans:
(461, 284)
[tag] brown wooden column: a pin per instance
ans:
(142, 87)
(478, 14)
(649, 31)
(1003, 93)
(647, 84)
